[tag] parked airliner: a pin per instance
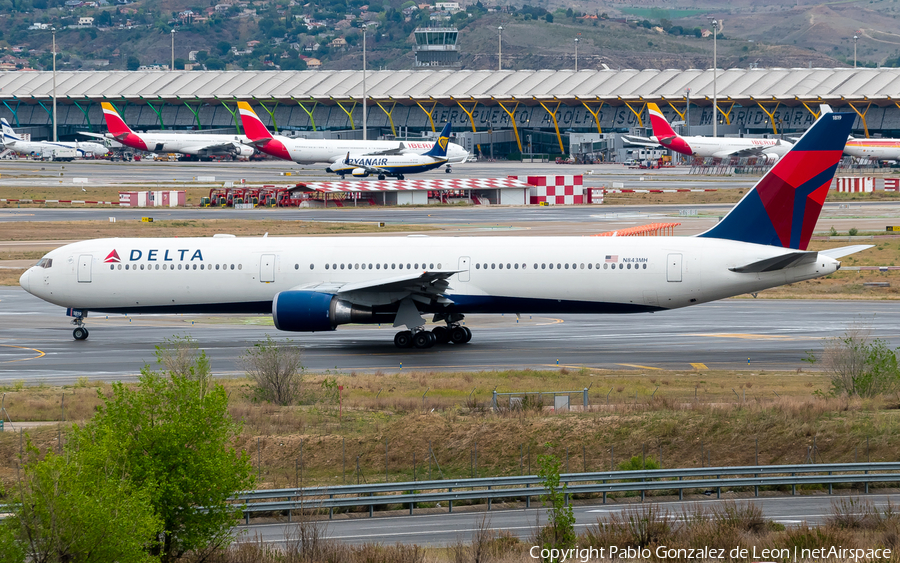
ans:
(190, 144)
(312, 151)
(717, 147)
(396, 165)
(315, 284)
(15, 143)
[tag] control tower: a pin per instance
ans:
(436, 46)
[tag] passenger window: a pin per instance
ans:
(517, 266)
(126, 266)
(621, 266)
(157, 267)
(598, 265)
(217, 266)
(477, 266)
(296, 266)
(431, 266)
(377, 266)
(195, 267)
(232, 266)
(543, 266)
(326, 266)
(507, 266)
(240, 266)
(629, 266)
(551, 266)
(370, 266)
(500, 266)
(567, 265)
(605, 266)
(393, 266)
(589, 266)
(493, 266)
(558, 266)
(535, 266)
(407, 266)
(312, 266)
(644, 266)
(112, 266)
(342, 266)
(142, 266)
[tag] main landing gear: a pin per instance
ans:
(421, 338)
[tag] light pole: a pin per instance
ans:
(576, 54)
(173, 51)
(54, 85)
(855, 39)
(715, 24)
(687, 95)
(365, 94)
(499, 47)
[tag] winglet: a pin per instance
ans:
(114, 122)
(254, 128)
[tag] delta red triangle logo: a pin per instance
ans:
(113, 257)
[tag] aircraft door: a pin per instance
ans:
(267, 268)
(673, 268)
(84, 268)
(464, 267)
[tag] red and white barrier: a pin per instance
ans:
(892, 184)
(157, 198)
(556, 190)
(855, 184)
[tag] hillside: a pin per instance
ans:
(260, 35)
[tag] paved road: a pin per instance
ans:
(36, 343)
(447, 529)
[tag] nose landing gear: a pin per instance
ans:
(80, 332)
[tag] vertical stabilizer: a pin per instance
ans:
(9, 136)
(783, 207)
(114, 123)
(253, 126)
(439, 150)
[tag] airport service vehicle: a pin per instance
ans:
(312, 151)
(48, 149)
(396, 165)
(717, 147)
(199, 145)
(314, 284)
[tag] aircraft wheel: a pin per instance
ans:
(80, 333)
(441, 334)
(400, 177)
(381, 176)
(403, 339)
(460, 335)
(424, 339)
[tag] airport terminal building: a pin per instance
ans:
(544, 111)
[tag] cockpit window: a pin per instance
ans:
(45, 263)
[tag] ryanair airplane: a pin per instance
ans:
(395, 165)
(317, 283)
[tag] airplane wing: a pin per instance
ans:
(95, 135)
(640, 141)
(394, 151)
(748, 151)
(424, 286)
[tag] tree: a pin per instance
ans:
(214, 64)
(132, 63)
(100, 517)
(549, 18)
(177, 444)
(560, 532)
(223, 47)
(858, 365)
(277, 370)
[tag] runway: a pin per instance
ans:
(37, 344)
(432, 530)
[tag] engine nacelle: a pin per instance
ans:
(242, 150)
(360, 172)
(311, 311)
(771, 158)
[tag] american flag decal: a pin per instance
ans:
(612, 258)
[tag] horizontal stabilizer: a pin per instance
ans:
(845, 250)
(777, 263)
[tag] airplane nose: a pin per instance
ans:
(25, 280)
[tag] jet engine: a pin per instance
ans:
(311, 311)
(771, 158)
(360, 172)
(239, 149)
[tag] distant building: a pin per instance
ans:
(436, 46)
(86, 21)
(338, 42)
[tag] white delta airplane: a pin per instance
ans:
(190, 144)
(717, 147)
(17, 144)
(394, 164)
(312, 151)
(314, 284)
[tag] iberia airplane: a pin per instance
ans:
(312, 151)
(717, 147)
(199, 145)
(874, 149)
(315, 284)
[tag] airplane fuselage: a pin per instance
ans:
(82, 149)
(876, 149)
(312, 151)
(492, 275)
(186, 143)
(721, 147)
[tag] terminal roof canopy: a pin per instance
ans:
(743, 86)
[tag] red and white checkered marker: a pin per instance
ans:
(413, 185)
(556, 190)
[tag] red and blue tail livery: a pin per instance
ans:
(783, 207)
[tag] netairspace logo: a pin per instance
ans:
(663, 552)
